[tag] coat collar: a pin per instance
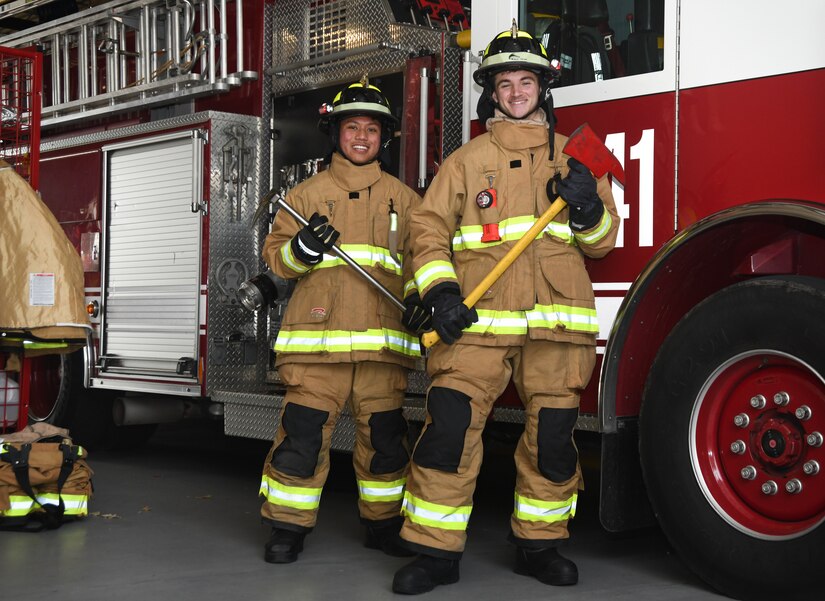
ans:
(352, 177)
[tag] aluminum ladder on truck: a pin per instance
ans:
(130, 54)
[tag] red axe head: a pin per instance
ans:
(586, 147)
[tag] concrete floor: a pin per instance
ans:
(179, 520)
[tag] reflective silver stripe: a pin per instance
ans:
(290, 496)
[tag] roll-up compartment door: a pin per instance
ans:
(150, 320)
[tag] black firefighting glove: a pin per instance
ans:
(314, 239)
(450, 314)
(417, 318)
(578, 190)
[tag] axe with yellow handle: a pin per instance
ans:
(586, 147)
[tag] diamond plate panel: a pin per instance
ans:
(258, 416)
(332, 35)
(451, 115)
(236, 348)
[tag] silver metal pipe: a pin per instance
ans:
(466, 101)
(56, 79)
(424, 107)
(92, 50)
(83, 62)
(122, 76)
(239, 36)
(210, 8)
(154, 36)
(346, 258)
(203, 27)
(173, 46)
(66, 68)
(222, 36)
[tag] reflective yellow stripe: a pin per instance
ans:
(409, 288)
(438, 516)
(290, 261)
(533, 510)
(468, 237)
(20, 505)
(364, 255)
(434, 270)
(373, 491)
(345, 341)
(575, 319)
(290, 496)
(599, 233)
(32, 344)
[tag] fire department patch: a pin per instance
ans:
(486, 198)
(318, 312)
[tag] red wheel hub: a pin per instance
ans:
(755, 444)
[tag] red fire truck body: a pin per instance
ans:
(709, 399)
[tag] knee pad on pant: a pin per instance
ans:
(558, 457)
(297, 455)
(388, 430)
(442, 443)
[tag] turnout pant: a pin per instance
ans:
(466, 381)
(297, 465)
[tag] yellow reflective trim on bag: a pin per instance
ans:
(434, 270)
(345, 341)
(437, 516)
(533, 510)
(290, 496)
(374, 491)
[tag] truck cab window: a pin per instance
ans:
(596, 40)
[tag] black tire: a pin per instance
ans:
(63, 401)
(762, 336)
(52, 378)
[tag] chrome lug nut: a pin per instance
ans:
(738, 447)
(748, 472)
(811, 467)
(814, 439)
(758, 401)
(781, 398)
(741, 420)
(770, 487)
(793, 486)
(803, 412)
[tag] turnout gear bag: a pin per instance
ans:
(44, 479)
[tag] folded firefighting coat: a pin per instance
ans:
(334, 314)
(546, 293)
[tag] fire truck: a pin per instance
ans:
(167, 126)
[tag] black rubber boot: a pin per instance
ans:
(546, 565)
(283, 546)
(424, 574)
(383, 535)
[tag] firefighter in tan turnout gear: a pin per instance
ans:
(341, 340)
(537, 323)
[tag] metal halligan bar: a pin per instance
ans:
(346, 258)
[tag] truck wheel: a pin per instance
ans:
(731, 438)
(51, 383)
(58, 397)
